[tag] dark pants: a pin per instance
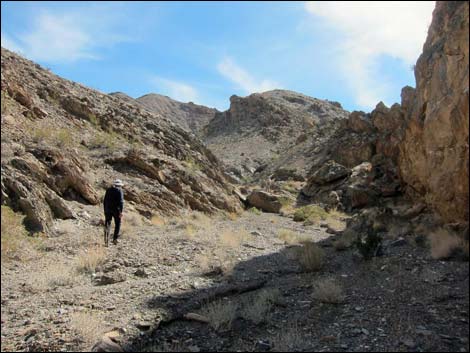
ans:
(117, 222)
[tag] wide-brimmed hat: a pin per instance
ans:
(118, 182)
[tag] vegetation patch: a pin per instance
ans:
(290, 237)
(328, 291)
(221, 314)
(255, 211)
(90, 259)
(310, 256)
(311, 212)
(13, 235)
(445, 244)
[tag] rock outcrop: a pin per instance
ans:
(433, 158)
(63, 144)
(266, 132)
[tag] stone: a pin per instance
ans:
(265, 201)
(110, 278)
(328, 173)
(106, 344)
(141, 272)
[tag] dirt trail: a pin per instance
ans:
(403, 300)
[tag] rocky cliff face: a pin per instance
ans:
(271, 130)
(189, 116)
(433, 158)
(63, 144)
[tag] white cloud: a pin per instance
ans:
(370, 29)
(243, 79)
(67, 36)
(177, 90)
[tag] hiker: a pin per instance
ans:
(113, 206)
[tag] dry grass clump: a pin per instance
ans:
(221, 314)
(158, 221)
(129, 223)
(44, 133)
(444, 244)
(310, 257)
(89, 259)
(53, 277)
(88, 326)
(345, 241)
(290, 237)
(313, 214)
(233, 239)
(13, 232)
(15, 242)
(289, 339)
(258, 308)
(108, 140)
(328, 291)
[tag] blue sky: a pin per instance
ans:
(357, 53)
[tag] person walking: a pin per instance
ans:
(113, 207)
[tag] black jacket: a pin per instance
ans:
(113, 200)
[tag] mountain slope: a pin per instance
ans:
(189, 116)
(260, 130)
(63, 142)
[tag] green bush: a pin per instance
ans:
(311, 212)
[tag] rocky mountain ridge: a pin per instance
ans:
(271, 130)
(63, 142)
(189, 116)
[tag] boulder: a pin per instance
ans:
(265, 201)
(328, 173)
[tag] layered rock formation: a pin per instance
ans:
(63, 144)
(419, 147)
(433, 158)
(265, 132)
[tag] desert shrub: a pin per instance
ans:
(157, 220)
(311, 213)
(328, 291)
(345, 240)
(289, 338)
(108, 140)
(310, 257)
(255, 211)
(233, 239)
(290, 237)
(88, 326)
(221, 314)
(90, 259)
(445, 244)
(63, 138)
(13, 232)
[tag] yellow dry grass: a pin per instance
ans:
(88, 325)
(290, 237)
(443, 243)
(89, 259)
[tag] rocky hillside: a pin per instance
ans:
(419, 147)
(63, 143)
(189, 116)
(434, 153)
(270, 130)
